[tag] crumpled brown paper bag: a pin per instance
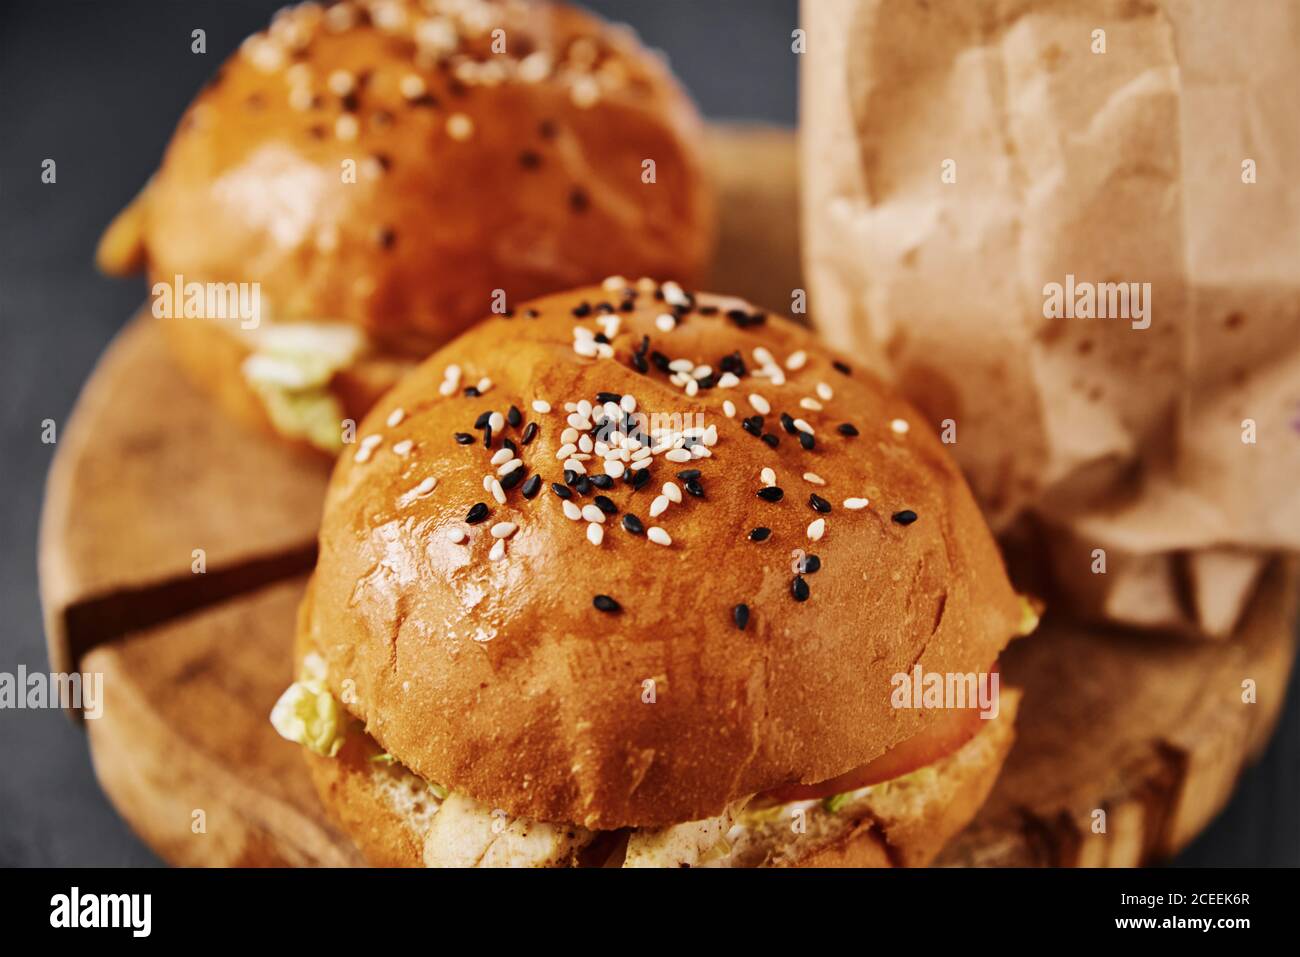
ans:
(958, 156)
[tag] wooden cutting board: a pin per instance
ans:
(1151, 732)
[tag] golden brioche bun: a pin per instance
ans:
(501, 680)
(475, 170)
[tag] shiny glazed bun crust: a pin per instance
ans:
(380, 163)
(508, 652)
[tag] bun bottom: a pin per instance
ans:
(212, 357)
(904, 823)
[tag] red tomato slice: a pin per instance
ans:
(949, 729)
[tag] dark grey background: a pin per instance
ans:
(98, 86)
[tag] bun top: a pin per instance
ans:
(393, 163)
(498, 646)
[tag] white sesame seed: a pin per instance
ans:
(425, 487)
(570, 437)
(571, 510)
(498, 551)
(613, 284)
(701, 452)
(900, 426)
(711, 435)
(672, 491)
(825, 392)
(370, 441)
(582, 332)
(497, 422)
(502, 455)
(460, 127)
(575, 465)
(498, 492)
(728, 380)
(487, 483)
(604, 350)
(812, 405)
(767, 477)
(592, 514)
(456, 534)
(395, 418)
(584, 408)
(628, 403)
(760, 404)
(585, 92)
(341, 82)
(509, 467)
(665, 322)
(817, 529)
(729, 408)
(412, 86)
(658, 535)
(452, 373)
(681, 365)
(585, 443)
(301, 98)
(346, 127)
(363, 454)
(614, 468)
(403, 448)
(796, 360)
(702, 372)
(565, 450)
(658, 506)
(692, 388)
(678, 455)
(484, 384)
(541, 406)
(762, 356)
(579, 421)
(585, 348)
(803, 426)
(595, 533)
(504, 529)
(447, 387)
(814, 478)
(855, 504)
(673, 294)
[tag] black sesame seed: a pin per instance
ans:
(578, 201)
(601, 480)
(464, 438)
(603, 397)
(760, 534)
(708, 310)
(687, 475)
(602, 338)
(511, 479)
(530, 433)
(905, 517)
(810, 564)
(532, 486)
(472, 392)
(570, 476)
(633, 524)
(477, 513)
(819, 504)
(848, 428)
(644, 347)
(771, 440)
(807, 440)
(606, 604)
(514, 417)
(487, 436)
(660, 361)
(740, 615)
(582, 310)
(639, 363)
(509, 444)
(530, 159)
(799, 588)
(771, 493)
(604, 503)
(640, 477)
(787, 423)
(482, 420)
(694, 487)
(547, 129)
(753, 425)
(561, 490)
(385, 237)
(842, 367)
(583, 485)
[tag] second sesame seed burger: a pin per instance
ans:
(644, 600)
(385, 172)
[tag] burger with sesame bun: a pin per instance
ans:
(644, 599)
(385, 172)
